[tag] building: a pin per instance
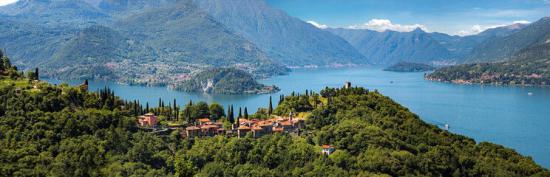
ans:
(148, 120)
(192, 132)
(204, 121)
(242, 131)
(327, 149)
(347, 85)
(209, 130)
(257, 132)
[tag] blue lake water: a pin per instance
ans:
(498, 114)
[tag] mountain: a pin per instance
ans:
(55, 13)
(141, 42)
(284, 38)
(390, 47)
(504, 47)
(529, 66)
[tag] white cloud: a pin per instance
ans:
(521, 22)
(476, 29)
(385, 24)
(318, 25)
(6, 2)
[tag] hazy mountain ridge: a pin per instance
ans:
(504, 47)
(284, 38)
(137, 42)
(390, 47)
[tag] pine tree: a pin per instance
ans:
(270, 109)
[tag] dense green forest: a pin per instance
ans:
(224, 81)
(48, 130)
(530, 66)
(410, 67)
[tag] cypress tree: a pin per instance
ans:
(270, 109)
(146, 107)
(229, 113)
(160, 102)
(36, 76)
(240, 113)
(245, 113)
(176, 110)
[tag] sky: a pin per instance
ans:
(456, 17)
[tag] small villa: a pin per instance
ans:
(327, 149)
(148, 120)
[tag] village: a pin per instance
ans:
(204, 127)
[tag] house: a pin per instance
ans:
(209, 130)
(148, 119)
(204, 121)
(242, 130)
(267, 126)
(192, 132)
(327, 149)
(257, 132)
(347, 85)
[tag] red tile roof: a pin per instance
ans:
(242, 127)
(326, 146)
(192, 128)
(204, 120)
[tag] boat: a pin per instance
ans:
(530, 93)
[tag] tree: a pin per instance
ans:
(200, 110)
(240, 113)
(270, 109)
(245, 113)
(146, 107)
(184, 167)
(230, 115)
(176, 110)
(36, 76)
(216, 111)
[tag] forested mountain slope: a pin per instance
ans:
(503, 48)
(530, 66)
(48, 130)
(143, 42)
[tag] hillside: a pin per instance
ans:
(224, 81)
(503, 48)
(530, 66)
(410, 67)
(136, 42)
(284, 38)
(80, 133)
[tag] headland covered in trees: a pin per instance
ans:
(58, 130)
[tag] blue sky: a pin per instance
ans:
(448, 16)
(462, 17)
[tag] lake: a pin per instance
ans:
(504, 115)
